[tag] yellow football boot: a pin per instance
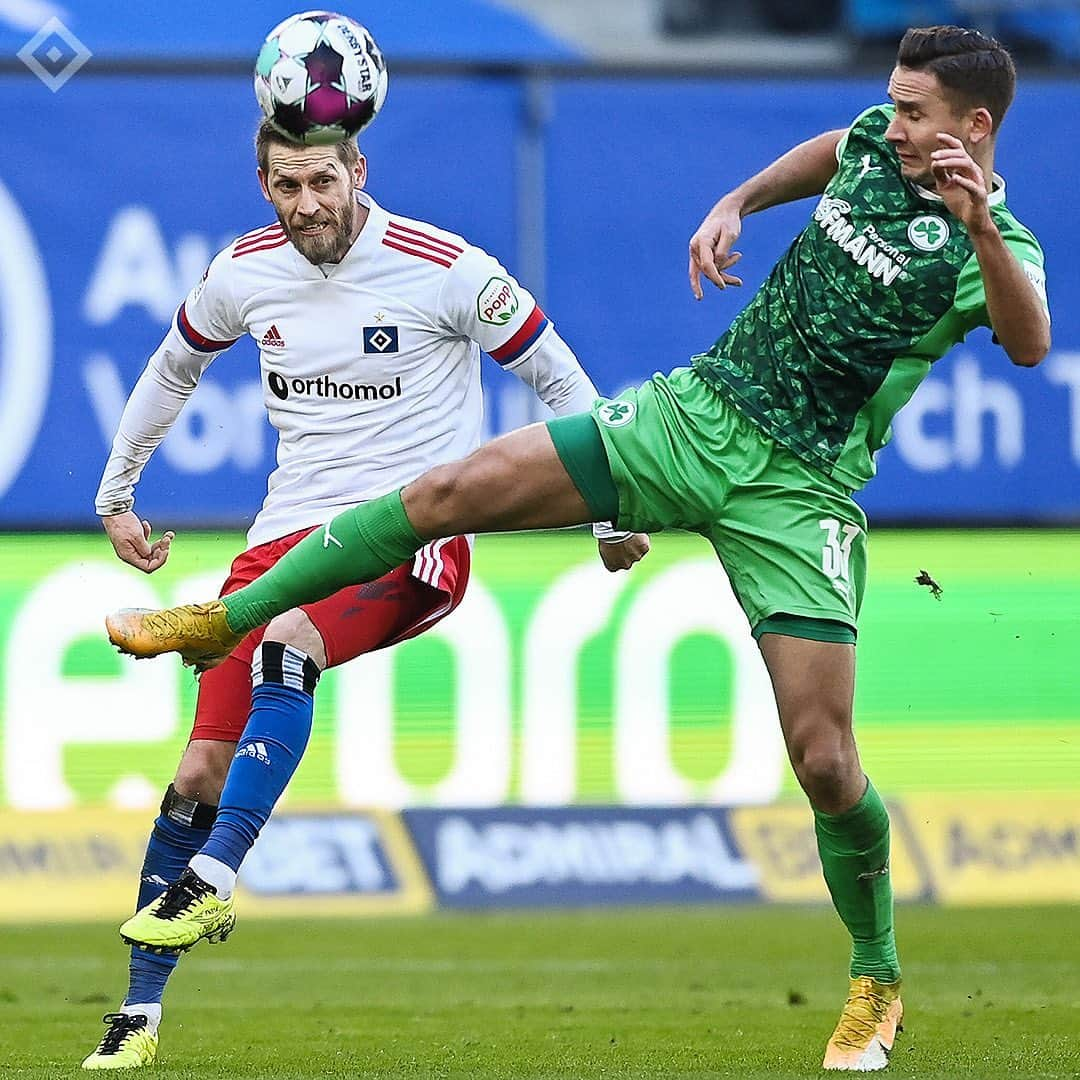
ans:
(127, 1044)
(867, 1029)
(185, 913)
(200, 633)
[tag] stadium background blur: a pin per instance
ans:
(567, 738)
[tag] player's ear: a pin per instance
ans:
(360, 173)
(262, 184)
(982, 125)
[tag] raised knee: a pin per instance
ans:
(288, 627)
(296, 629)
(202, 770)
(435, 498)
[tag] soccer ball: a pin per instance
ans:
(320, 78)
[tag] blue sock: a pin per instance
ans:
(282, 687)
(180, 830)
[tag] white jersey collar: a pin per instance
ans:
(996, 197)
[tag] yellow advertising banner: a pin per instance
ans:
(76, 865)
(994, 850)
(779, 841)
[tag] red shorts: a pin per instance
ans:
(356, 620)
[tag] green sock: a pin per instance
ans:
(359, 545)
(854, 850)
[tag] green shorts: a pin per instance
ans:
(793, 541)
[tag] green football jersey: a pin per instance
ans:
(882, 282)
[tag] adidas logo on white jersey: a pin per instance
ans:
(272, 339)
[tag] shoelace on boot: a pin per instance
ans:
(182, 895)
(178, 622)
(860, 1019)
(121, 1025)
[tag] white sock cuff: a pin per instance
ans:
(150, 1009)
(215, 873)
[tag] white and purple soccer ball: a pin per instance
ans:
(320, 78)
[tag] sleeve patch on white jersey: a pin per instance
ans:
(497, 303)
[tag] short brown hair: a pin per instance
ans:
(975, 68)
(268, 135)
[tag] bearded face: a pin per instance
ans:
(313, 194)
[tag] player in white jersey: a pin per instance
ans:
(370, 328)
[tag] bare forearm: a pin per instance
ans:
(1016, 311)
(803, 171)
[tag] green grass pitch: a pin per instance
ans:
(719, 992)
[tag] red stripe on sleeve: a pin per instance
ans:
(197, 340)
(266, 245)
(417, 242)
(430, 256)
(427, 236)
(258, 234)
(527, 330)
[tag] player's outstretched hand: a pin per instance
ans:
(130, 538)
(710, 249)
(624, 553)
(961, 183)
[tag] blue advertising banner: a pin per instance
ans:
(478, 30)
(521, 857)
(321, 854)
(121, 188)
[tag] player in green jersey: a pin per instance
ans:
(758, 445)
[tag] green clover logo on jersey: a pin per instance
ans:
(616, 413)
(929, 232)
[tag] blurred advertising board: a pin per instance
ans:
(948, 849)
(992, 851)
(85, 864)
(155, 173)
(522, 857)
(558, 684)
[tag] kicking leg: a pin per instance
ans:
(516, 482)
(814, 683)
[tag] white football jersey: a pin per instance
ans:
(370, 367)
